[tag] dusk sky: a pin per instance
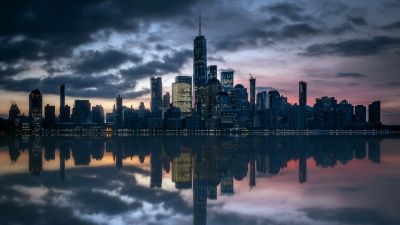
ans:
(349, 49)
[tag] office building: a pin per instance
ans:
(166, 100)
(49, 116)
(227, 81)
(35, 110)
(98, 114)
(119, 117)
(156, 95)
(360, 114)
(199, 69)
(212, 72)
(182, 93)
(81, 112)
(374, 113)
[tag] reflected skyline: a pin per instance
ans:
(213, 168)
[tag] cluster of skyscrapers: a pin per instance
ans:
(200, 102)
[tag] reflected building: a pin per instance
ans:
(156, 168)
(302, 154)
(200, 189)
(182, 169)
(35, 157)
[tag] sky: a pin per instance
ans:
(349, 49)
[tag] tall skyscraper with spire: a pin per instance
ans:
(200, 69)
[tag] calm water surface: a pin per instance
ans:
(200, 180)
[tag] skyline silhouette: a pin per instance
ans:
(345, 49)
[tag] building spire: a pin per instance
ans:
(200, 24)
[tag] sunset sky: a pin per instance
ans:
(349, 49)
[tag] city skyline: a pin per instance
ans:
(355, 52)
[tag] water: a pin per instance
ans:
(200, 180)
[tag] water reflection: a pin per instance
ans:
(200, 164)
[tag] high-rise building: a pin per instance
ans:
(142, 110)
(81, 111)
(302, 93)
(156, 94)
(166, 100)
(35, 109)
(213, 88)
(182, 93)
(62, 95)
(199, 68)
(65, 110)
(346, 112)
(360, 114)
(49, 116)
(182, 170)
(119, 117)
(252, 95)
(302, 118)
(261, 103)
(65, 114)
(98, 114)
(14, 112)
(227, 81)
(212, 72)
(240, 98)
(374, 113)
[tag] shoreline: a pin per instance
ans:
(127, 133)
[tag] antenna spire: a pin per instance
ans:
(200, 24)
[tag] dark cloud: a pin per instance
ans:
(389, 84)
(102, 86)
(350, 216)
(288, 10)
(358, 20)
(31, 30)
(392, 26)
(354, 47)
(98, 61)
(170, 64)
(297, 30)
(259, 37)
(348, 74)
(9, 70)
(87, 86)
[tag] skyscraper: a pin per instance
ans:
(35, 109)
(360, 114)
(81, 111)
(212, 72)
(49, 116)
(119, 114)
(98, 114)
(166, 100)
(374, 113)
(302, 93)
(65, 110)
(199, 68)
(227, 81)
(62, 96)
(156, 94)
(252, 96)
(302, 105)
(182, 93)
